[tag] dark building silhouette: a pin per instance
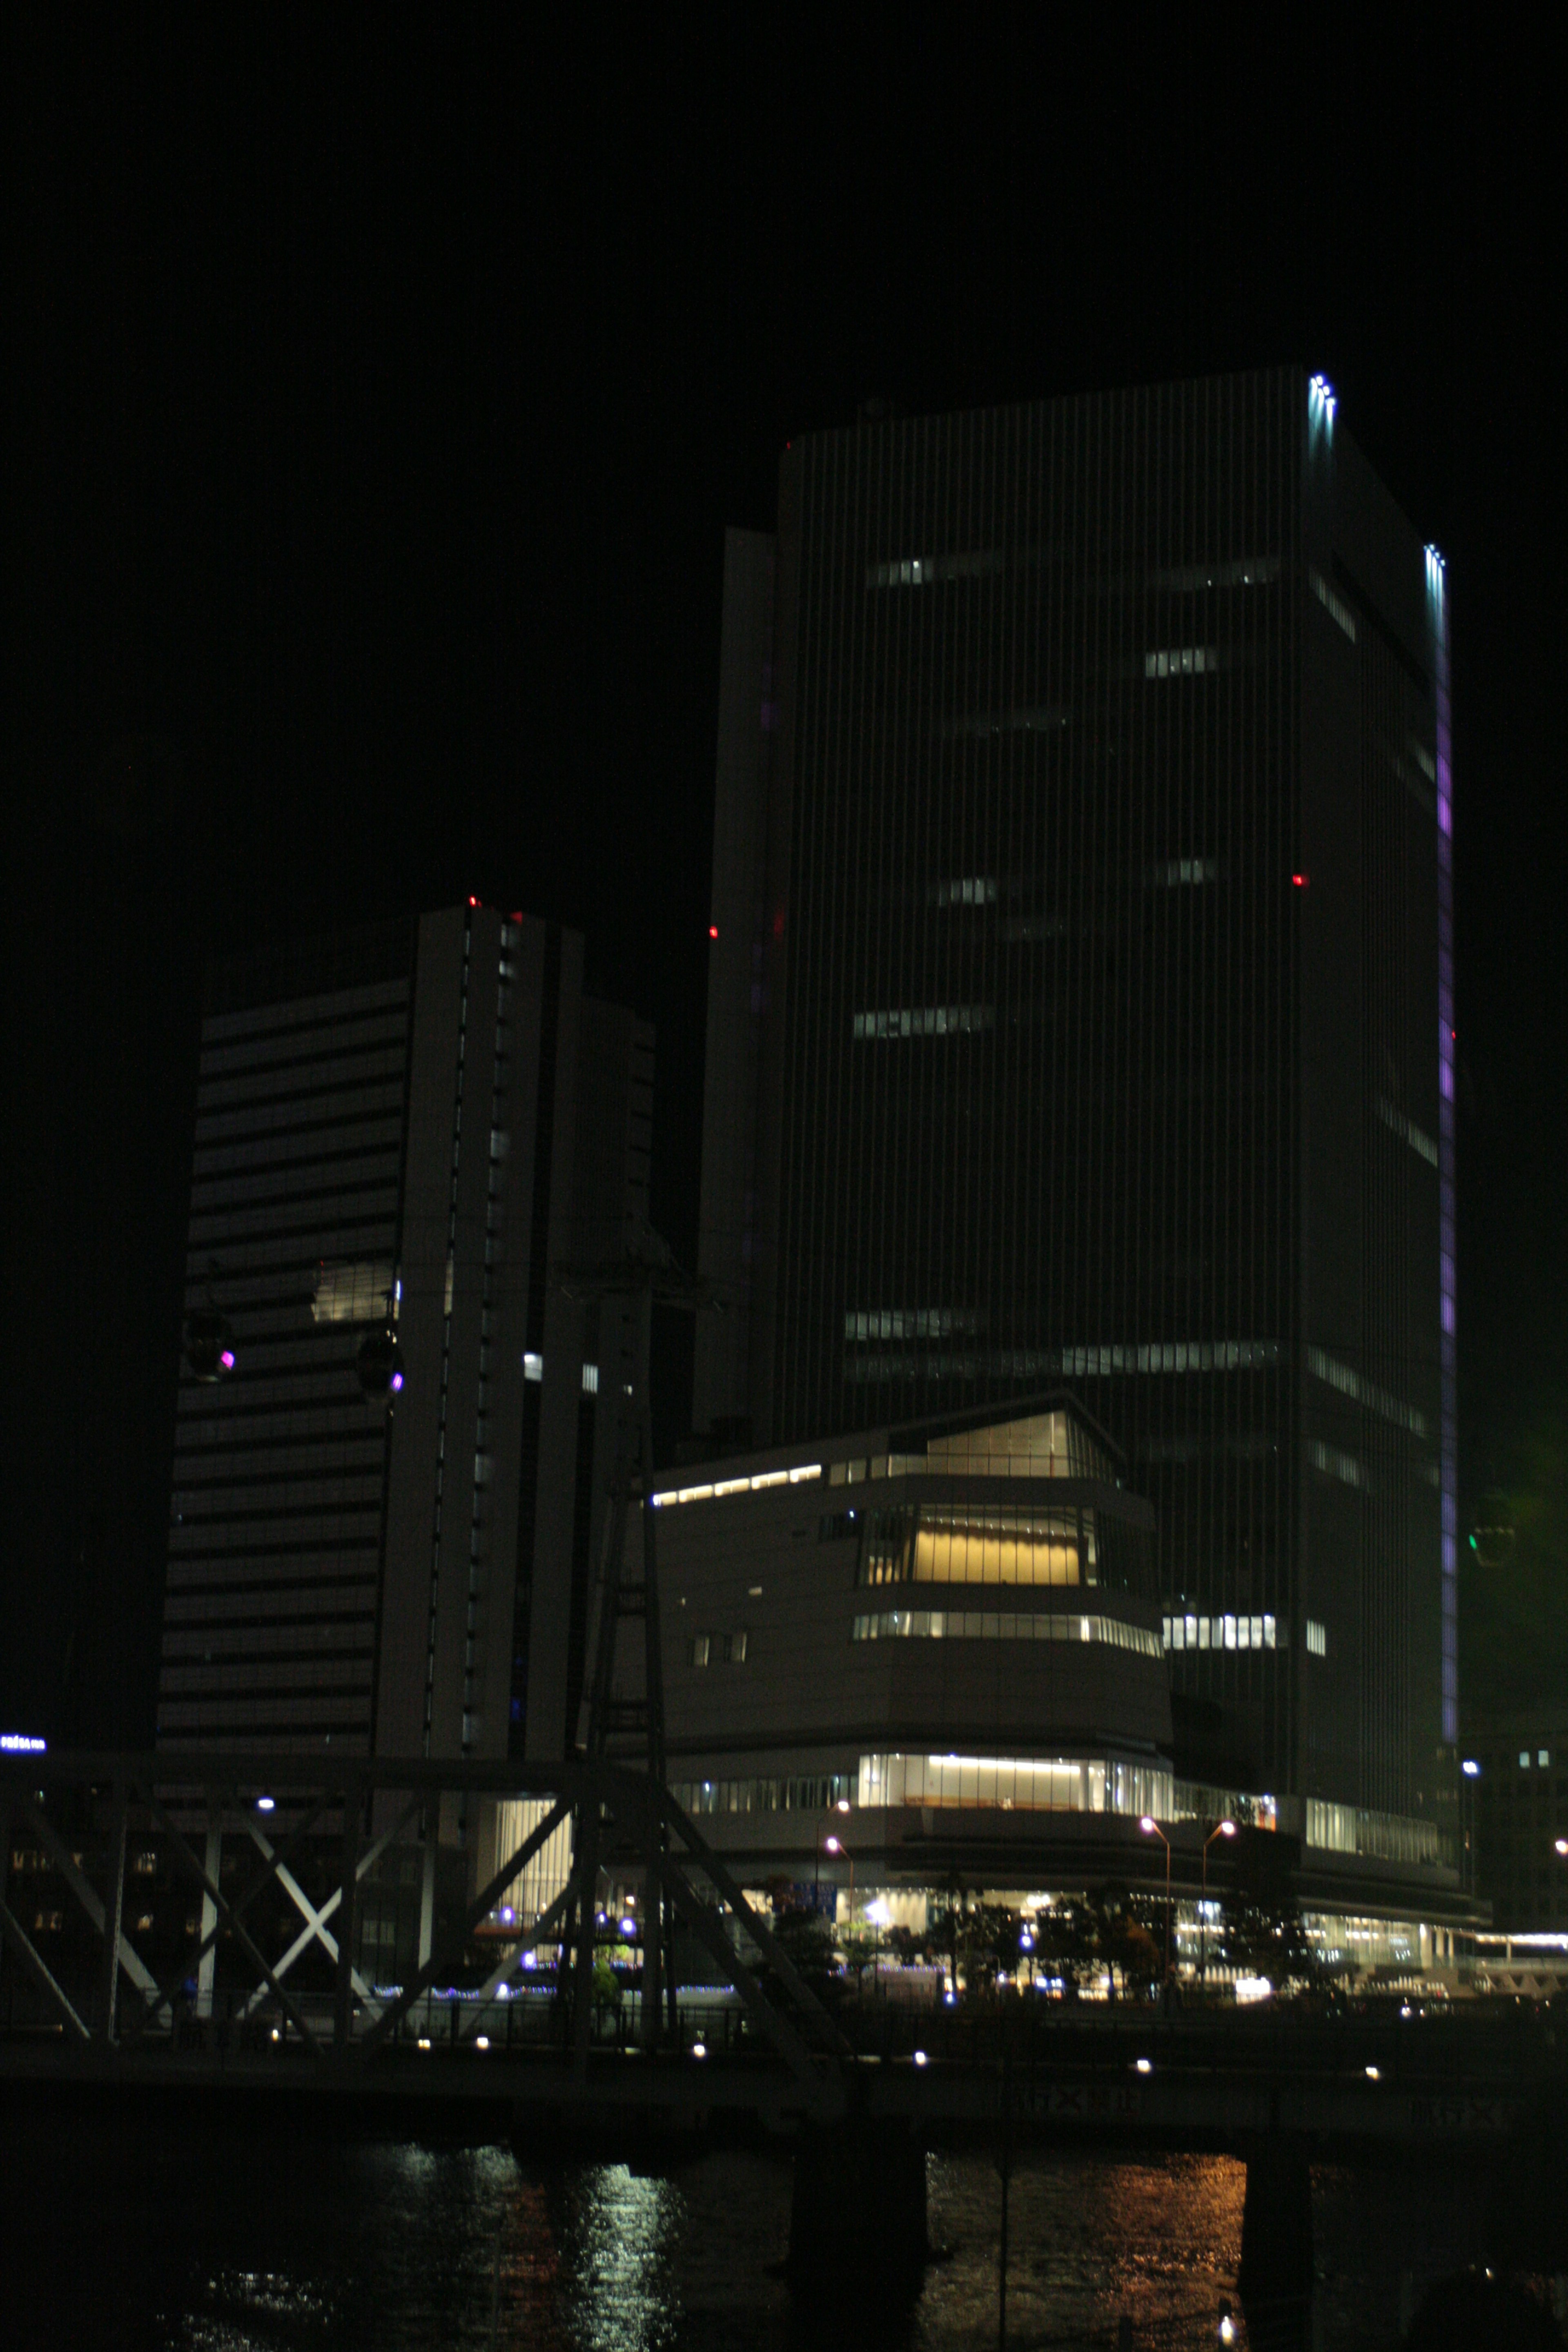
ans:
(1081, 1016)
(414, 1127)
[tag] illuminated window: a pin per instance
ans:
(1004, 1625)
(908, 1323)
(362, 1293)
(926, 570)
(1223, 1632)
(925, 1020)
(590, 1380)
(533, 1367)
(937, 1546)
(1027, 1784)
(970, 890)
(1317, 1639)
(1180, 661)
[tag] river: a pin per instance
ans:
(137, 2234)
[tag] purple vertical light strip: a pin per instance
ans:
(1447, 1300)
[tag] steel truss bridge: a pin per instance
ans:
(762, 2045)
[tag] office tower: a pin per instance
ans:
(414, 1129)
(1080, 1015)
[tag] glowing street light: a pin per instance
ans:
(1150, 1828)
(1224, 1830)
(842, 1806)
(836, 1846)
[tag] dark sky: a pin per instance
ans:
(378, 399)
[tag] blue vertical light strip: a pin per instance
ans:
(1449, 1448)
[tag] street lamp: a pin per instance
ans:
(1220, 1829)
(842, 1806)
(1150, 1828)
(836, 1845)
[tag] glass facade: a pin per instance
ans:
(1162, 674)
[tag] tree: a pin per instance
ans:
(1260, 1931)
(1067, 1941)
(807, 1943)
(1125, 1941)
(989, 1942)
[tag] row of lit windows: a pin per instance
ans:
(763, 1479)
(1183, 873)
(1027, 1784)
(816, 1792)
(983, 1547)
(970, 890)
(979, 564)
(925, 1020)
(1003, 1625)
(1180, 661)
(1079, 1363)
(926, 570)
(908, 1323)
(1387, 1837)
(1225, 1633)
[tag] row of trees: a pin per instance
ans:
(1079, 1940)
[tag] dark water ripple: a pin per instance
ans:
(149, 2237)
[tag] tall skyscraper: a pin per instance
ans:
(412, 1128)
(1080, 1013)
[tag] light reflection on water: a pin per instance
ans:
(229, 2243)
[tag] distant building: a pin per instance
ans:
(410, 1128)
(1516, 1809)
(1081, 1015)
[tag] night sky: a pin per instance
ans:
(378, 400)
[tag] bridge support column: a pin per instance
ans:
(859, 2213)
(1276, 2273)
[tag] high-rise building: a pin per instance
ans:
(413, 1130)
(1081, 1016)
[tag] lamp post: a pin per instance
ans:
(1220, 1829)
(842, 1806)
(836, 1845)
(1150, 1828)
